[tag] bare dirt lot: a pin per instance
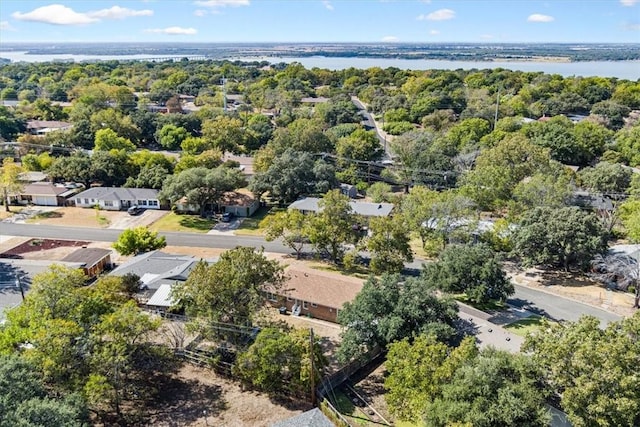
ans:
(196, 390)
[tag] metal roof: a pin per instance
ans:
(312, 418)
(359, 208)
(118, 193)
(162, 297)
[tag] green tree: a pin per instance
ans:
(138, 240)
(499, 169)
(202, 187)
(391, 308)
(291, 175)
(379, 192)
(360, 145)
(565, 237)
(418, 370)
(496, 388)
(9, 182)
(10, 124)
(606, 178)
(580, 360)
(332, 228)
(290, 226)
(75, 168)
(107, 139)
(470, 269)
(225, 134)
(149, 177)
(171, 136)
(281, 361)
(552, 187)
(628, 145)
(230, 290)
(630, 217)
(612, 112)
(388, 243)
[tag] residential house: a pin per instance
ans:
(118, 198)
(316, 294)
(365, 209)
(93, 261)
(240, 203)
(42, 127)
(43, 194)
(158, 272)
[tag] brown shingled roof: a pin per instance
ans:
(323, 288)
(87, 256)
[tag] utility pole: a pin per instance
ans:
(224, 94)
(313, 374)
(495, 117)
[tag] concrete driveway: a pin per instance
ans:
(146, 218)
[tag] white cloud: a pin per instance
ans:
(438, 15)
(434, 32)
(200, 12)
(5, 26)
(538, 17)
(327, 4)
(172, 31)
(222, 3)
(117, 12)
(390, 39)
(628, 3)
(56, 14)
(631, 26)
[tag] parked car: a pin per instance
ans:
(135, 210)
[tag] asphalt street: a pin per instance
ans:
(551, 305)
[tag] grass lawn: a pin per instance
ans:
(359, 271)
(527, 325)
(347, 408)
(251, 226)
(488, 306)
(186, 223)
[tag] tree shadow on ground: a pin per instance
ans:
(564, 278)
(529, 306)
(47, 215)
(180, 402)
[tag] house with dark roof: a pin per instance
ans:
(93, 261)
(365, 209)
(312, 293)
(158, 272)
(118, 198)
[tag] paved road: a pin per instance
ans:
(556, 307)
(543, 303)
(368, 122)
(110, 235)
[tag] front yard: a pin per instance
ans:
(183, 223)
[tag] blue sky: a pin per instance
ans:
(504, 21)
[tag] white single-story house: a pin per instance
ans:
(366, 209)
(118, 198)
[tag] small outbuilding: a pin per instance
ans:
(93, 261)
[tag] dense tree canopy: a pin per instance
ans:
(392, 308)
(594, 369)
(566, 237)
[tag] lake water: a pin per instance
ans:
(621, 69)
